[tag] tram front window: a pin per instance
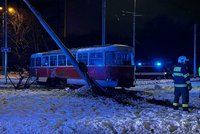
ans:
(118, 58)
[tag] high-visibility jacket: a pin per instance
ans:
(199, 71)
(181, 76)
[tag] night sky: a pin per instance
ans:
(165, 29)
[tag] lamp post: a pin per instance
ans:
(2, 34)
(195, 39)
(5, 49)
(134, 23)
(134, 33)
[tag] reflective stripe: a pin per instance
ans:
(188, 82)
(175, 104)
(177, 69)
(186, 75)
(178, 74)
(180, 85)
(185, 105)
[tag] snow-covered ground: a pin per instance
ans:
(38, 110)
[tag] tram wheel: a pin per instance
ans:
(52, 82)
(62, 83)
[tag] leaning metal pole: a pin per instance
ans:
(93, 84)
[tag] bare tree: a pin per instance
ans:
(17, 33)
(25, 37)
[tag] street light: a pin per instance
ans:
(5, 49)
(11, 10)
(134, 23)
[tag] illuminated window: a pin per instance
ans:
(83, 57)
(53, 60)
(126, 58)
(68, 60)
(118, 58)
(45, 61)
(96, 59)
(61, 60)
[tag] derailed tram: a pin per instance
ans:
(110, 66)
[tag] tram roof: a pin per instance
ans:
(109, 47)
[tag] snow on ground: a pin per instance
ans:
(38, 110)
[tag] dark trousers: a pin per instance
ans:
(184, 92)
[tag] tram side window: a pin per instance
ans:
(53, 60)
(61, 60)
(83, 57)
(96, 59)
(38, 61)
(45, 61)
(68, 60)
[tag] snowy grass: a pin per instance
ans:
(60, 111)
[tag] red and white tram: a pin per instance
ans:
(110, 66)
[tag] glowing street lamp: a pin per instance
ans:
(5, 49)
(11, 10)
(5, 20)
